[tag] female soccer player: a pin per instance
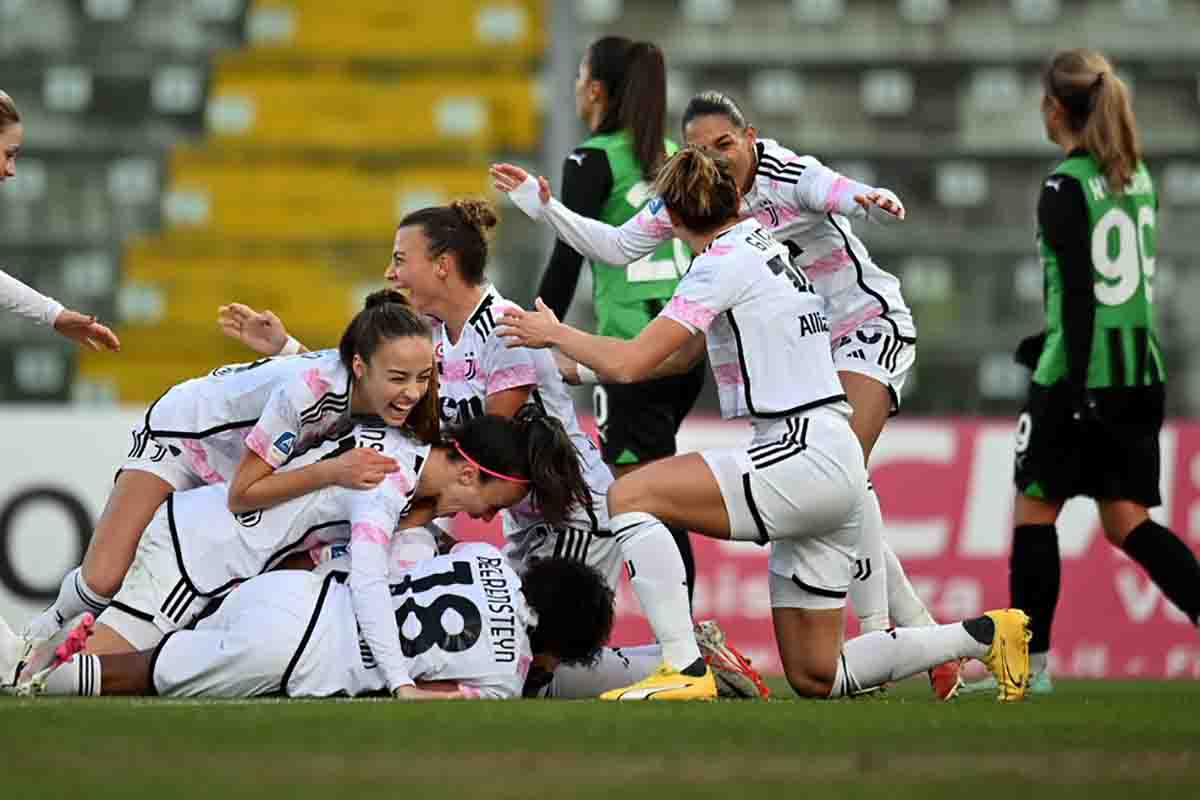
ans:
(808, 207)
(195, 549)
(1090, 426)
(244, 421)
(438, 257)
(296, 633)
(801, 483)
(621, 95)
(15, 295)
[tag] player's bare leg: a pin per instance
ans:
(106, 641)
(134, 498)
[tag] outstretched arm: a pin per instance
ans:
(29, 302)
(614, 360)
(596, 240)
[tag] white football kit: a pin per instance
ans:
(459, 617)
(808, 207)
(197, 433)
(800, 483)
(195, 549)
(480, 364)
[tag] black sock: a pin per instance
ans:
(684, 542)
(982, 629)
(1169, 562)
(1035, 572)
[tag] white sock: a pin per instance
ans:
(1038, 662)
(869, 585)
(11, 649)
(904, 605)
(877, 658)
(618, 667)
(79, 676)
(658, 576)
(74, 598)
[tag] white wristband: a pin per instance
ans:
(527, 198)
(290, 348)
(586, 375)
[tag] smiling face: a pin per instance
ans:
(717, 133)
(411, 270)
(396, 378)
(11, 138)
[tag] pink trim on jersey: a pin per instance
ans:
(317, 383)
(727, 374)
(259, 443)
(837, 193)
(656, 227)
(511, 378)
(834, 262)
(523, 665)
(719, 250)
(469, 692)
(850, 325)
(369, 532)
(690, 312)
(461, 370)
(400, 478)
(200, 462)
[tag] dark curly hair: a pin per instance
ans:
(574, 607)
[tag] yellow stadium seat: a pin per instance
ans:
(461, 114)
(297, 201)
(450, 30)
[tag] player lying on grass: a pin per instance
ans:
(238, 425)
(439, 256)
(809, 208)
(801, 483)
(467, 627)
(196, 550)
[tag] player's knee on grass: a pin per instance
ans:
(810, 684)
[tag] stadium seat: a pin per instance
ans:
(453, 31)
(333, 109)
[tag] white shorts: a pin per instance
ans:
(800, 485)
(526, 542)
(155, 598)
(249, 646)
(874, 349)
(148, 455)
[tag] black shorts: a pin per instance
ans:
(638, 421)
(1112, 457)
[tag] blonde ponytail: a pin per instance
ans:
(1099, 111)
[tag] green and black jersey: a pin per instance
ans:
(1098, 250)
(603, 180)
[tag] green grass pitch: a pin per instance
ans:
(1089, 740)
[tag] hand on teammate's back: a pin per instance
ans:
(84, 329)
(361, 468)
(261, 331)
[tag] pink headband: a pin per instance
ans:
(482, 468)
